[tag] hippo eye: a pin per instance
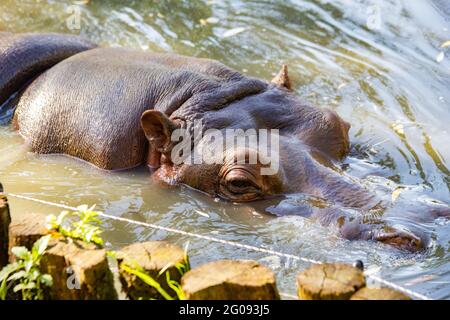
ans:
(240, 185)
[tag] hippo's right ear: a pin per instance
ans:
(158, 129)
(282, 78)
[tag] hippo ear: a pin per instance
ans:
(158, 129)
(282, 78)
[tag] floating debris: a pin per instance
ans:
(233, 32)
(440, 56)
(396, 194)
(398, 128)
(445, 44)
(212, 20)
(256, 214)
(203, 214)
(342, 85)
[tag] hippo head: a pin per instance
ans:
(288, 147)
(292, 145)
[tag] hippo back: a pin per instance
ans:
(24, 56)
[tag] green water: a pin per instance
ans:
(377, 63)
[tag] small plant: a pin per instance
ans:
(25, 274)
(182, 268)
(86, 227)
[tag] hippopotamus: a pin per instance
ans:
(117, 109)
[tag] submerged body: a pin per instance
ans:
(117, 108)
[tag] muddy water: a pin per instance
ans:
(377, 63)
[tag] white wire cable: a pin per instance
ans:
(217, 240)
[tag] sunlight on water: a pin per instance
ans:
(379, 64)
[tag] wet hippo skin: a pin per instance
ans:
(117, 108)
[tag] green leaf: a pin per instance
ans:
(96, 221)
(51, 222)
(47, 280)
(21, 252)
(90, 234)
(17, 276)
(41, 245)
(24, 286)
(175, 286)
(3, 290)
(34, 274)
(61, 217)
(4, 275)
(28, 265)
(167, 266)
(99, 241)
(7, 270)
(112, 254)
